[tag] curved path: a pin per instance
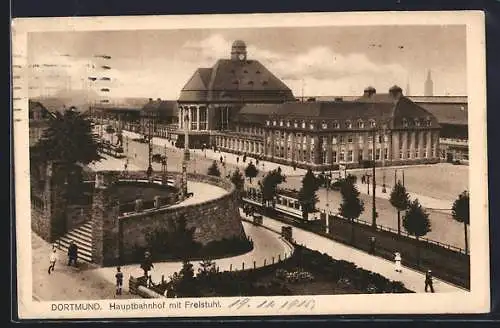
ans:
(412, 279)
(267, 245)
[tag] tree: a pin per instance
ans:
(460, 212)
(269, 185)
(238, 181)
(207, 269)
(213, 170)
(307, 194)
(251, 171)
(400, 201)
(68, 139)
(183, 283)
(351, 207)
(416, 222)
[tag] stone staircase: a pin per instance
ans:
(82, 236)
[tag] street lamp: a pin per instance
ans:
(149, 171)
(383, 152)
(374, 209)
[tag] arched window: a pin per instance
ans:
(303, 124)
(295, 124)
(281, 122)
(267, 122)
(416, 122)
(348, 124)
(405, 122)
(324, 125)
(335, 124)
(373, 123)
(311, 125)
(361, 124)
(288, 124)
(428, 121)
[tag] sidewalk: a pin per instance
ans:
(67, 282)
(412, 279)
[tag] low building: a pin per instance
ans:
(39, 118)
(453, 119)
(159, 118)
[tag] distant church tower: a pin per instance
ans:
(429, 85)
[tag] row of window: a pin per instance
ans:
(360, 124)
(250, 130)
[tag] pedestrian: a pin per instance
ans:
(397, 262)
(363, 179)
(221, 159)
(72, 253)
(237, 159)
(428, 281)
(147, 263)
(372, 244)
(53, 259)
(119, 281)
(257, 161)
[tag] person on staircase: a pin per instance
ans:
(72, 253)
(53, 259)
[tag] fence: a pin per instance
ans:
(257, 201)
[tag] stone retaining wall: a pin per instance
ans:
(116, 238)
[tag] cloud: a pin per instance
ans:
(315, 65)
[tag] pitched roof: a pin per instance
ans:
(381, 109)
(448, 113)
(165, 107)
(341, 111)
(231, 80)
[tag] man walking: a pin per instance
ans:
(147, 263)
(53, 259)
(372, 244)
(72, 253)
(119, 281)
(428, 281)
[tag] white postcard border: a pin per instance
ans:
(475, 301)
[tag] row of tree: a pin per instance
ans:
(415, 219)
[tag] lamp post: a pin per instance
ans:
(126, 154)
(374, 209)
(149, 171)
(383, 152)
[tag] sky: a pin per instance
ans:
(312, 61)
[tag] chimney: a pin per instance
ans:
(150, 99)
(369, 91)
(396, 93)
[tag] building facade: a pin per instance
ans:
(388, 128)
(213, 96)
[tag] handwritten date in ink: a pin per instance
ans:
(272, 304)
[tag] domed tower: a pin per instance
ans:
(239, 51)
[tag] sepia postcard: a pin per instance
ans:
(250, 165)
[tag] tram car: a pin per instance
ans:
(286, 204)
(115, 151)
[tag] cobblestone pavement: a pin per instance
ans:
(67, 282)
